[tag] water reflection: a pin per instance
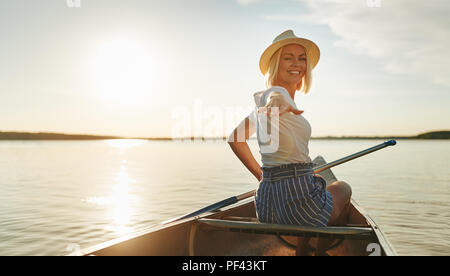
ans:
(120, 202)
(121, 208)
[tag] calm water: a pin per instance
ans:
(57, 194)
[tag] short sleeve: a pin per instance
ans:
(273, 94)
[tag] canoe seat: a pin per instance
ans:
(252, 226)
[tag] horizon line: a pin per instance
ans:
(103, 137)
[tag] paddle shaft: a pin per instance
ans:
(334, 163)
(240, 197)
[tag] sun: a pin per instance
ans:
(122, 71)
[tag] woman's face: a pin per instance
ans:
(292, 66)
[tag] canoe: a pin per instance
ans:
(235, 231)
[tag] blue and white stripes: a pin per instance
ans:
(286, 196)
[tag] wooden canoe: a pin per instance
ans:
(235, 231)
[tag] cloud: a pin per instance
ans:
(407, 37)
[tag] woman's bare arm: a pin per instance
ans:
(238, 143)
(238, 138)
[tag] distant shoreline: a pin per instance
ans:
(62, 136)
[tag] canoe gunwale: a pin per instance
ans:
(357, 233)
(382, 239)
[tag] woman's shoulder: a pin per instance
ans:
(262, 97)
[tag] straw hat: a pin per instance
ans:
(285, 38)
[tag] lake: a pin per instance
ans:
(55, 195)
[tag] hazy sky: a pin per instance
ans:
(162, 68)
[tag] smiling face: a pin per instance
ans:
(292, 66)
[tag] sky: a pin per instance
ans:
(190, 67)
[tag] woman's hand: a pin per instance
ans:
(319, 176)
(277, 99)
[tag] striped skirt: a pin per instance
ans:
(292, 194)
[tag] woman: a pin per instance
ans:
(289, 192)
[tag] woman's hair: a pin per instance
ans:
(271, 74)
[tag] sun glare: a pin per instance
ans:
(122, 71)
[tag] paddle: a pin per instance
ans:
(318, 169)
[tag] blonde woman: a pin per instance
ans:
(289, 192)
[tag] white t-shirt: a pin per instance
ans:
(294, 131)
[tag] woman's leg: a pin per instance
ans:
(341, 193)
